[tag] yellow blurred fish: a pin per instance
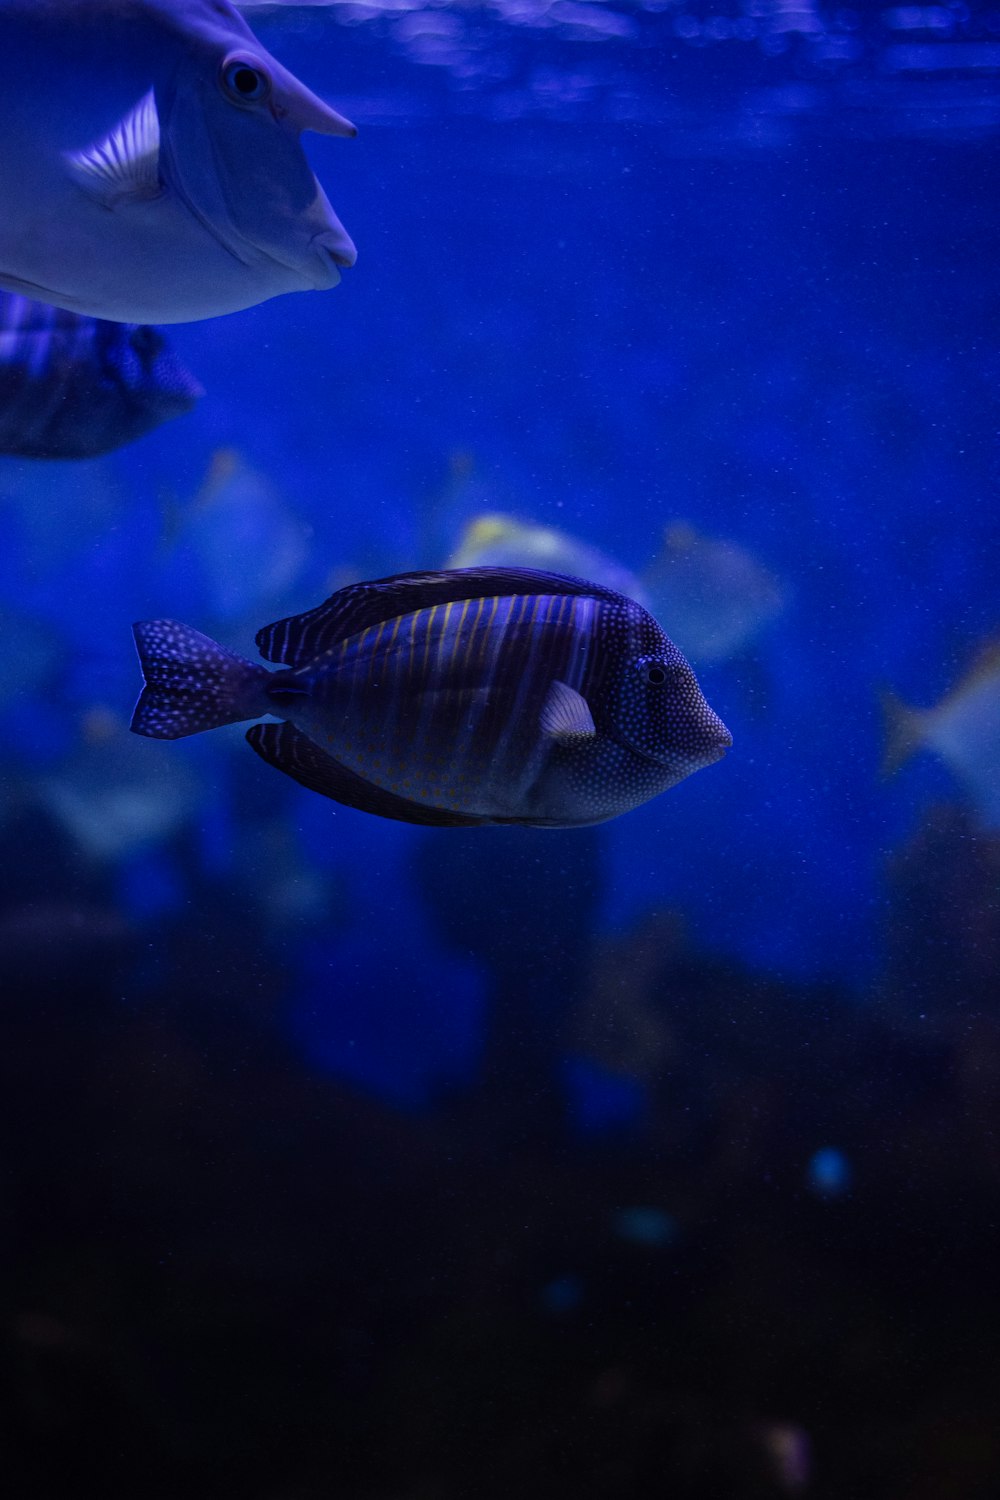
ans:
(502, 541)
(963, 729)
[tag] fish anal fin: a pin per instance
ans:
(301, 638)
(291, 751)
(566, 715)
(124, 166)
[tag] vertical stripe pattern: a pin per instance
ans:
(443, 705)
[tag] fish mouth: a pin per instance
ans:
(334, 253)
(724, 742)
(315, 264)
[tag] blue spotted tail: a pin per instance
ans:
(192, 683)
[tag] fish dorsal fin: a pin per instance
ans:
(301, 638)
(125, 165)
(566, 715)
(291, 751)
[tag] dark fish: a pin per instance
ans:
(483, 695)
(73, 387)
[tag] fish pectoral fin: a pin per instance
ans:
(125, 166)
(565, 715)
(291, 751)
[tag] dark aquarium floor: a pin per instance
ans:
(224, 1273)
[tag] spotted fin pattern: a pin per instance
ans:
(192, 683)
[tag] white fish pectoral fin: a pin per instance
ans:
(125, 165)
(565, 715)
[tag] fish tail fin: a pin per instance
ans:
(904, 729)
(191, 683)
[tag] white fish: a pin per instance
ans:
(499, 541)
(112, 801)
(150, 163)
(239, 540)
(714, 596)
(963, 729)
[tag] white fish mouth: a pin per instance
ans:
(317, 265)
(333, 253)
(329, 273)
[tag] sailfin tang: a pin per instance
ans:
(565, 715)
(192, 683)
(285, 747)
(125, 165)
(303, 637)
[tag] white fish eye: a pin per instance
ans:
(244, 81)
(653, 673)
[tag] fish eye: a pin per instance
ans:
(244, 82)
(654, 674)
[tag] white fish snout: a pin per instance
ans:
(339, 247)
(333, 250)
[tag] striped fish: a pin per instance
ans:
(479, 695)
(73, 387)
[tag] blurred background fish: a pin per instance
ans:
(73, 386)
(502, 541)
(963, 729)
(111, 798)
(237, 542)
(712, 593)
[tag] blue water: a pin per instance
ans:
(618, 266)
